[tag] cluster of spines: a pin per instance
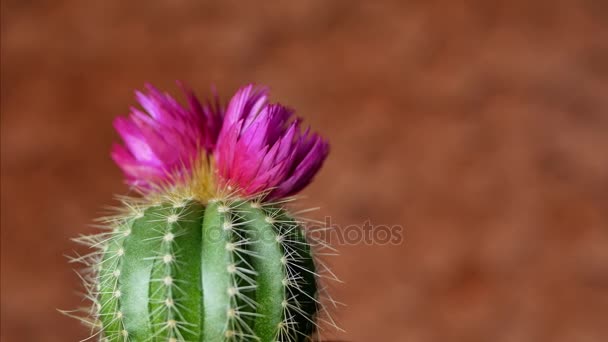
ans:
(101, 274)
(110, 270)
(304, 296)
(300, 273)
(167, 312)
(231, 279)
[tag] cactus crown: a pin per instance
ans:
(197, 256)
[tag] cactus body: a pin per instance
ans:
(223, 271)
(205, 251)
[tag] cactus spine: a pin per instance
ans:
(229, 270)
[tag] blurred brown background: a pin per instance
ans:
(480, 126)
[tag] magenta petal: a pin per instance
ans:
(306, 169)
(259, 150)
(134, 169)
(135, 140)
(165, 137)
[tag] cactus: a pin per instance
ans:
(209, 251)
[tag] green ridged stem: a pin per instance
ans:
(176, 274)
(305, 290)
(216, 258)
(230, 271)
(269, 263)
(137, 263)
(109, 274)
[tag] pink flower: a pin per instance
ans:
(166, 138)
(261, 149)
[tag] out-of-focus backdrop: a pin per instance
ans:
(479, 126)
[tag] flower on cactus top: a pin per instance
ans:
(165, 139)
(261, 148)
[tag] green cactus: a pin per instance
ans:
(176, 269)
(207, 251)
